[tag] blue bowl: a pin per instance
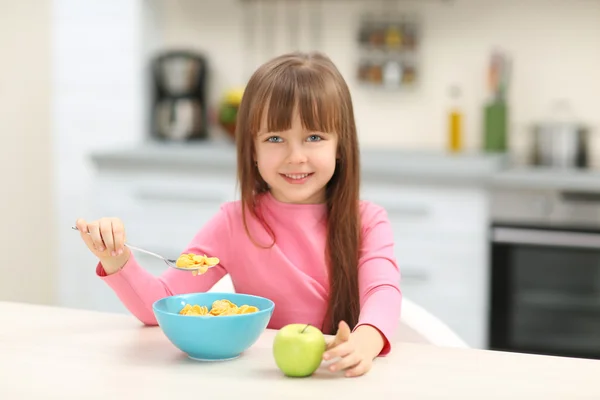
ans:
(213, 338)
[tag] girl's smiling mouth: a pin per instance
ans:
(297, 178)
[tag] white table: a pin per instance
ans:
(56, 353)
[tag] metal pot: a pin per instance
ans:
(561, 145)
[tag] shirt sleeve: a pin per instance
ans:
(138, 289)
(379, 276)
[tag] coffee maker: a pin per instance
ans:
(179, 101)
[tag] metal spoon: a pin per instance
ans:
(170, 263)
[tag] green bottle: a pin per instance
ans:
(495, 126)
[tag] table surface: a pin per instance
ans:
(58, 353)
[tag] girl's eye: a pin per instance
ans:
(314, 138)
(274, 139)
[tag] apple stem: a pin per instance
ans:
(307, 325)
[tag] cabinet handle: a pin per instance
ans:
(179, 196)
(414, 275)
(415, 210)
(539, 237)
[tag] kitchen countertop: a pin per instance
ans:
(548, 179)
(402, 166)
(375, 161)
(59, 353)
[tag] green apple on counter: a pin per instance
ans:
(298, 349)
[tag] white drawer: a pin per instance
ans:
(440, 278)
(453, 288)
(189, 187)
(164, 214)
(456, 272)
(438, 241)
(426, 209)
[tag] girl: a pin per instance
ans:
(299, 236)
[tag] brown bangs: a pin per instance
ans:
(303, 88)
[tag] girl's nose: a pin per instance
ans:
(297, 155)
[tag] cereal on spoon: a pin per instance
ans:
(199, 264)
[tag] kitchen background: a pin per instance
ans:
(501, 246)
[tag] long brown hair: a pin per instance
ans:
(312, 84)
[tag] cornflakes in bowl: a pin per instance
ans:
(213, 326)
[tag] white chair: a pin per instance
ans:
(417, 325)
(224, 285)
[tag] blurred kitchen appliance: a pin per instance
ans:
(545, 272)
(561, 145)
(179, 106)
(560, 140)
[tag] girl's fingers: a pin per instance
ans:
(119, 236)
(82, 226)
(342, 335)
(96, 236)
(359, 369)
(348, 361)
(106, 234)
(341, 350)
(106, 230)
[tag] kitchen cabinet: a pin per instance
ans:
(441, 245)
(163, 212)
(439, 230)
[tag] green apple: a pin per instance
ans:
(298, 349)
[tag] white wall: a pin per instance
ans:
(555, 44)
(98, 101)
(28, 266)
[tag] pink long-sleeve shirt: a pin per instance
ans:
(293, 273)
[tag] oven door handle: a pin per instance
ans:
(540, 237)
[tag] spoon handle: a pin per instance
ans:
(145, 251)
(171, 263)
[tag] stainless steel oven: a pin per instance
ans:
(545, 273)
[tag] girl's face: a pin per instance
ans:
(296, 164)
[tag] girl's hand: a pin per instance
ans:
(356, 350)
(106, 240)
